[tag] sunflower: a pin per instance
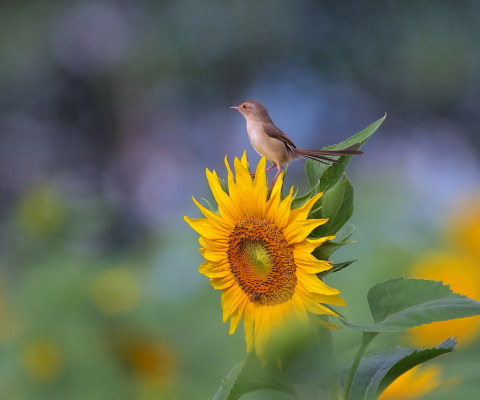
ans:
(258, 254)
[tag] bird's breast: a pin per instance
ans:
(273, 150)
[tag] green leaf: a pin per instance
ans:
(249, 376)
(328, 175)
(345, 232)
(337, 206)
(210, 206)
(324, 251)
(412, 360)
(377, 371)
(300, 201)
(402, 303)
(335, 268)
(360, 137)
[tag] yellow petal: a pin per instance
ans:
(308, 245)
(259, 192)
(214, 245)
(206, 228)
(301, 213)
(309, 264)
(226, 207)
(216, 219)
(249, 325)
(314, 285)
(283, 213)
(222, 283)
(299, 230)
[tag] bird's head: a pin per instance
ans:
(252, 108)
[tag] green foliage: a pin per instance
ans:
(328, 175)
(249, 376)
(402, 303)
(336, 205)
(377, 371)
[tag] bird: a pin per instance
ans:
(273, 144)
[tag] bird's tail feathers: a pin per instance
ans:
(319, 155)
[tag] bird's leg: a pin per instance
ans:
(269, 168)
(279, 169)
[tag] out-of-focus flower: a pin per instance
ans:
(116, 291)
(41, 211)
(414, 384)
(43, 360)
(151, 361)
(462, 273)
(463, 228)
(258, 254)
(12, 322)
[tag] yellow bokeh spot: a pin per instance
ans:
(43, 360)
(116, 291)
(463, 228)
(414, 384)
(153, 363)
(462, 273)
(42, 211)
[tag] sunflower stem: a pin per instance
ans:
(329, 361)
(366, 340)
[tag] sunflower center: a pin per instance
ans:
(262, 261)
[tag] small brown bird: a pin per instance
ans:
(276, 146)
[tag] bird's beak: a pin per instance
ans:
(235, 107)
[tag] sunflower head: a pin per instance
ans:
(258, 253)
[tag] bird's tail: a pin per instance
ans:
(320, 155)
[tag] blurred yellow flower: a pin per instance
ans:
(116, 291)
(258, 254)
(462, 273)
(43, 360)
(414, 384)
(463, 228)
(42, 211)
(151, 361)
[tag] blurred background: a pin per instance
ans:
(110, 111)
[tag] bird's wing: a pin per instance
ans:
(272, 131)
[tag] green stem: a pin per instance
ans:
(366, 340)
(329, 361)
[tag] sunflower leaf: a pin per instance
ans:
(402, 303)
(324, 251)
(249, 376)
(378, 370)
(300, 201)
(335, 268)
(328, 175)
(210, 206)
(412, 360)
(337, 206)
(345, 232)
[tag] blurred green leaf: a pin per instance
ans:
(336, 205)
(401, 303)
(249, 376)
(377, 371)
(328, 175)
(210, 206)
(412, 360)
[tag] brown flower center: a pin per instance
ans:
(262, 261)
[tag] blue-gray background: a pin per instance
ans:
(111, 111)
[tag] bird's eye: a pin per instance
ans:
(244, 106)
